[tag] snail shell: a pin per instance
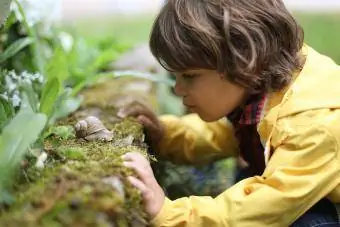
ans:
(91, 128)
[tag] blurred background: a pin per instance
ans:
(130, 20)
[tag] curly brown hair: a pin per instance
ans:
(254, 43)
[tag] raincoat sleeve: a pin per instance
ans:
(303, 169)
(189, 139)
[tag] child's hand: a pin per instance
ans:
(154, 129)
(152, 193)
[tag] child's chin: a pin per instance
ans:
(208, 118)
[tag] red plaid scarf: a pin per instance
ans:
(245, 120)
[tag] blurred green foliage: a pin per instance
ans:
(129, 30)
(322, 32)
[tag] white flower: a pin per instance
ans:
(29, 78)
(10, 84)
(26, 78)
(11, 87)
(13, 75)
(16, 100)
(66, 40)
(39, 11)
(38, 77)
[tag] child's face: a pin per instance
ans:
(208, 93)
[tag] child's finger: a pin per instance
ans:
(148, 124)
(135, 109)
(143, 170)
(127, 112)
(132, 156)
(138, 184)
(127, 157)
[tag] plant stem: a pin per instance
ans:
(35, 47)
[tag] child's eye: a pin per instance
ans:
(189, 76)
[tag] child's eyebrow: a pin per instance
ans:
(189, 74)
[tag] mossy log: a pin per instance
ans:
(83, 183)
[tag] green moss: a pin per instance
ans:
(64, 131)
(72, 153)
(66, 193)
(70, 190)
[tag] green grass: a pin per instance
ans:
(322, 32)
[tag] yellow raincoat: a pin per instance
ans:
(300, 130)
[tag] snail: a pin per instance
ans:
(91, 128)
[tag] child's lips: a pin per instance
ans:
(188, 105)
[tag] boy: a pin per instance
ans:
(244, 59)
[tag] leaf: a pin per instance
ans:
(81, 54)
(103, 60)
(49, 96)
(23, 130)
(6, 113)
(6, 197)
(83, 83)
(9, 109)
(15, 48)
(3, 116)
(31, 96)
(32, 33)
(57, 66)
(68, 106)
(64, 105)
(11, 19)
